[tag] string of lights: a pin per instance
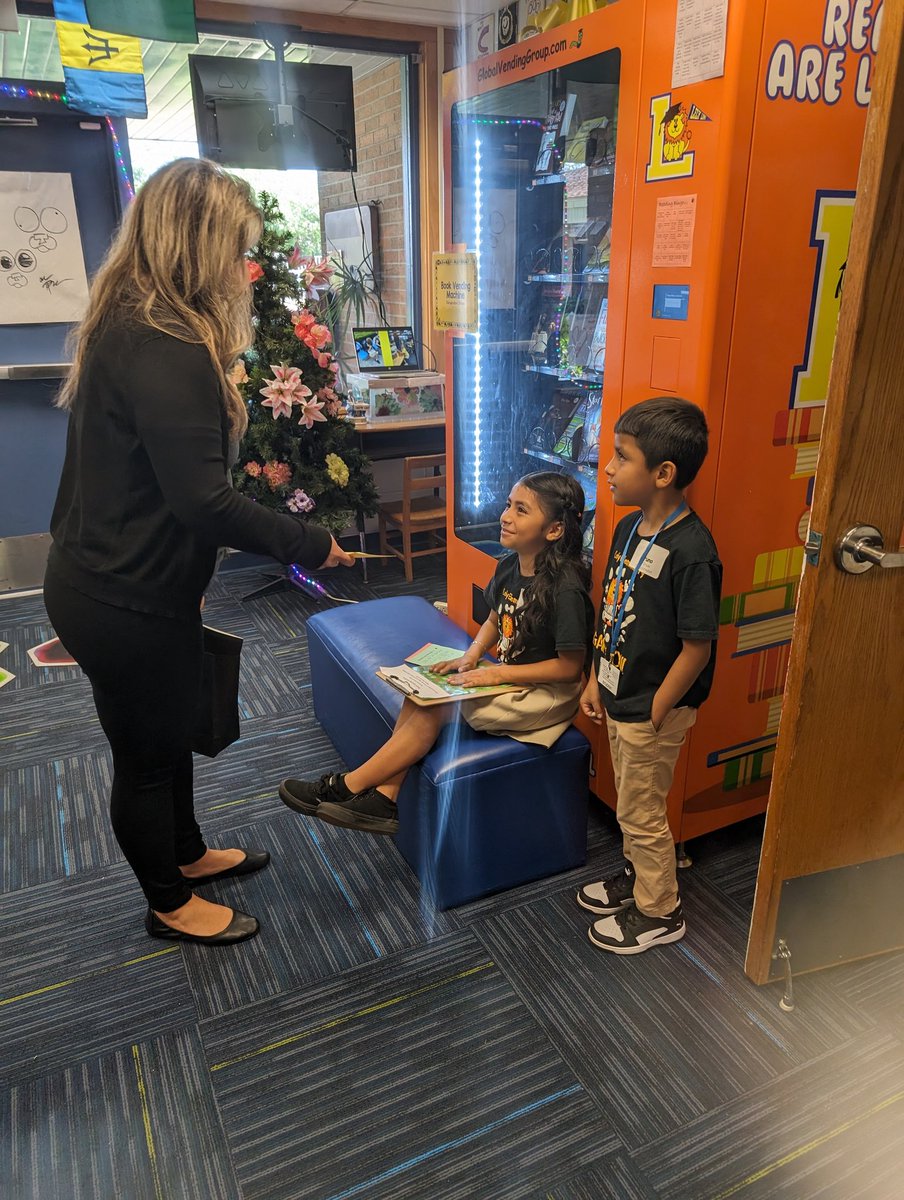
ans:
(19, 92)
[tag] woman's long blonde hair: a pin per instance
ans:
(176, 265)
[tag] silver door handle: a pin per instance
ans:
(861, 548)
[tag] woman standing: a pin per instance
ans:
(143, 506)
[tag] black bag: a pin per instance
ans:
(217, 721)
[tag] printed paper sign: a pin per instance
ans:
(42, 268)
(699, 41)
(455, 291)
(673, 237)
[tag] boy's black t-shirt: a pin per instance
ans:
(675, 595)
(570, 628)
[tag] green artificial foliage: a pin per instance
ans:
(318, 472)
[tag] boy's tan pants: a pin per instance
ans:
(644, 763)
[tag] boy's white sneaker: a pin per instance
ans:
(631, 932)
(610, 895)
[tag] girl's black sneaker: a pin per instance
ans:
(306, 797)
(369, 811)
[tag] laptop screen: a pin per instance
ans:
(386, 348)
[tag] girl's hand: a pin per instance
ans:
(591, 703)
(465, 663)
(481, 677)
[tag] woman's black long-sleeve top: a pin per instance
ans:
(144, 501)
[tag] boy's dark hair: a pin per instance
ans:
(561, 498)
(668, 429)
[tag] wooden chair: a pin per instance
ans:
(422, 509)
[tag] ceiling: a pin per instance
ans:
(33, 53)
(418, 12)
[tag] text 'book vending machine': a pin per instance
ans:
(654, 208)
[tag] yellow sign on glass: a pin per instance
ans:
(455, 292)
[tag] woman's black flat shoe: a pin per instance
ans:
(253, 861)
(239, 929)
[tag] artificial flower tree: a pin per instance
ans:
(299, 454)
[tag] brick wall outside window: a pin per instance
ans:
(378, 128)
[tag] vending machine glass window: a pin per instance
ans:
(532, 173)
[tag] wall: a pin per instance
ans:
(378, 122)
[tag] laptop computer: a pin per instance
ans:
(386, 349)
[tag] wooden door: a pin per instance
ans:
(831, 877)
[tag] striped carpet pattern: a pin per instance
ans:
(366, 1045)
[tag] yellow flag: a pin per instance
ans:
(89, 49)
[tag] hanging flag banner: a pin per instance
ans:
(103, 71)
(163, 20)
(8, 18)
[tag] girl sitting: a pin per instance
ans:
(541, 621)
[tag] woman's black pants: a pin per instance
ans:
(145, 672)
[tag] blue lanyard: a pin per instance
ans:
(619, 610)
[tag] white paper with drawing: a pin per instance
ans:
(42, 268)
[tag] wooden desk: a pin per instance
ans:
(381, 440)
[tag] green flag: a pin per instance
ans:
(163, 20)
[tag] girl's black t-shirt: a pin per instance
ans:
(570, 627)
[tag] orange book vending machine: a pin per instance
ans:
(657, 200)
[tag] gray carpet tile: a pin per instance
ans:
(730, 858)
(140, 1123)
(667, 1034)
(239, 787)
(601, 861)
(54, 818)
(81, 976)
(876, 986)
(39, 723)
(265, 687)
(312, 924)
(831, 1127)
(616, 1177)
(423, 1075)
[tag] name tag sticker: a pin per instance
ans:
(655, 560)
(609, 676)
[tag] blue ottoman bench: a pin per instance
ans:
(480, 813)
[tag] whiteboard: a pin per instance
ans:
(42, 267)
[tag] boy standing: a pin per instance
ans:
(654, 656)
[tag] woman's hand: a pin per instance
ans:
(337, 557)
(591, 703)
(467, 662)
(479, 677)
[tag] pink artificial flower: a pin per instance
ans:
(324, 360)
(284, 390)
(311, 411)
(255, 270)
(296, 259)
(303, 322)
(320, 336)
(326, 393)
(253, 469)
(277, 474)
(333, 366)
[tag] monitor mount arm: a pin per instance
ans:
(275, 38)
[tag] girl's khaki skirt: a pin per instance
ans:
(539, 715)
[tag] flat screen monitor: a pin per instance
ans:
(386, 348)
(242, 123)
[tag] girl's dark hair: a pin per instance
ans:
(562, 499)
(668, 429)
